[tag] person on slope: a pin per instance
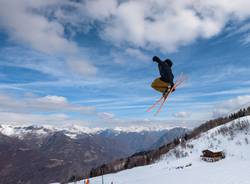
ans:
(165, 82)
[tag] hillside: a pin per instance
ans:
(184, 165)
(28, 153)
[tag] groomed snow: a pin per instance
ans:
(234, 169)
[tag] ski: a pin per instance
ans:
(165, 98)
(158, 101)
(180, 80)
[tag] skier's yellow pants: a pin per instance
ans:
(159, 85)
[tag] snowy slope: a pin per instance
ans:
(233, 138)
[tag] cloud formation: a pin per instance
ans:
(168, 24)
(106, 116)
(50, 109)
(182, 114)
(230, 106)
(81, 67)
(28, 118)
(41, 104)
(26, 23)
(152, 24)
(42, 26)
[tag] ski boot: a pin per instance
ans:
(166, 91)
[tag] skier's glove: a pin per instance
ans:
(156, 59)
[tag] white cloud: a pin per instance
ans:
(56, 119)
(137, 54)
(27, 118)
(168, 24)
(38, 25)
(245, 30)
(160, 24)
(232, 105)
(82, 67)
(236, 91)
(63, 68)
(26, 24)
(34, 104)
(246, 38)
(130, 57)
(182, 114)
(106, 115)
(225, 74)
(50, 109)
(99, 9)
(53, 99)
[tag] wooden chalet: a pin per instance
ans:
(211, 156)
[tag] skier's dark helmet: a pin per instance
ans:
(169, 62)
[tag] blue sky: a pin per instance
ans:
(89, 62)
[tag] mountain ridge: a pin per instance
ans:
(46, 150)
(74, 130)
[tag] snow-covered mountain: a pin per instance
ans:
(184, 165)
(73, 130)
(59, 153)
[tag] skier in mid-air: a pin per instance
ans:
(165, 82)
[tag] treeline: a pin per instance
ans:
(240, 113)
(149, 157)
(217, 122)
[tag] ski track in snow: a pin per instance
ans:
(234, 169)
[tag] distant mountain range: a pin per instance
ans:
(44, 154)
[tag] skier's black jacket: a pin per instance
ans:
(165, 70)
